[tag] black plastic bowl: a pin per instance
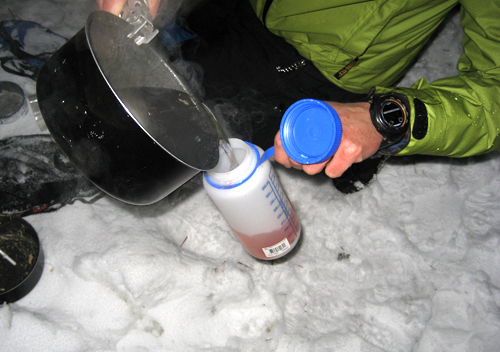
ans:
(21, 260)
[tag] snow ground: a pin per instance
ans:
(422, 274)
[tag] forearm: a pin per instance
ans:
(463, 116)
(463, 111)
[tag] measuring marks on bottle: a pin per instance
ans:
(282, 206)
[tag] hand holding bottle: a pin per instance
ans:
(359, 141)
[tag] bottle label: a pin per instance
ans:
(277, 249)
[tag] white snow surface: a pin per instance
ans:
(422, 275)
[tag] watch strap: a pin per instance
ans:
(396, 138)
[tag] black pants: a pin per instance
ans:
(251, 76)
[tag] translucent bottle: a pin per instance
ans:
(252, 201)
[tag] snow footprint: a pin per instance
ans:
(482, 209)
(388, 329)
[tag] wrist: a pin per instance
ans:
(390, 115)
(358, 128)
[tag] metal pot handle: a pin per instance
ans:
(136, 12)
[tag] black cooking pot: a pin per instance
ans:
(123, 115)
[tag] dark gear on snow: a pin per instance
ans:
(36, 177)
(29, 46)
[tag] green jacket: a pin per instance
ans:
(358, 44)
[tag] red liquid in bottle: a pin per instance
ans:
(272, 245)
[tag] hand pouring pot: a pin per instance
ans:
(123, 115)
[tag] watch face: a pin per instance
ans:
(390, 116)
(394, 113)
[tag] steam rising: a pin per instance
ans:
(233, 114)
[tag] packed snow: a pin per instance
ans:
(410, 263)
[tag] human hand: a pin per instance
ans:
(116, 6)
(360, 140)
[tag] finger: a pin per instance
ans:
(153, 7)
(336, 169)
(279, 153)
(313, 169)
(295, 164)
(340, 162)
(113, 6)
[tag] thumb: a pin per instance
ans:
(113, 6)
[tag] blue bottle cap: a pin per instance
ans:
(310, 131)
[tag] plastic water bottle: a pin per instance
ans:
(250, 196)
(253, 203)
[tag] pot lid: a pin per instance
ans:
(152, 92)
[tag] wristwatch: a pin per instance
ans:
(390, 114)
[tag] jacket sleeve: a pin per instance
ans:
(463, 112)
